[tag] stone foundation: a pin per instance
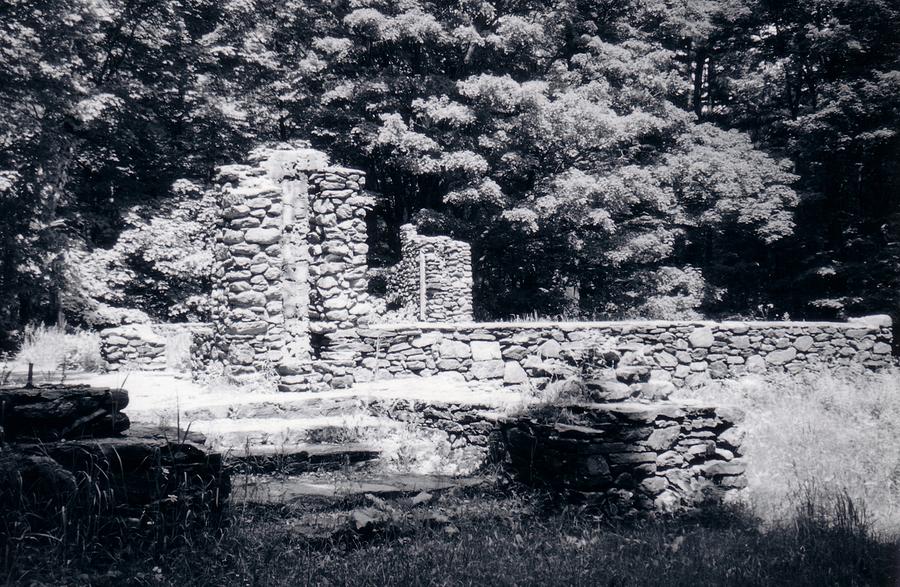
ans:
(662, 456)
(156, 347)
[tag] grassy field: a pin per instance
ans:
(822, 509)
(502, 541)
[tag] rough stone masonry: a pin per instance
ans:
(291, 303)
(533, 353)
(290, 281)
(433, 280)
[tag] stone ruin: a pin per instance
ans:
(292, 305)
(291, 287)
(433, 280)
(290, 281)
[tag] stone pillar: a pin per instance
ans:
(248, 318)
(339, 300)
(447, 289)
(290, 281)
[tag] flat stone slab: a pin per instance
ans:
(275, 490)
(156, 397)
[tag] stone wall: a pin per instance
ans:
(682, 352)
(445, 267)
(155, 347)
(290, 277)
(662, 456)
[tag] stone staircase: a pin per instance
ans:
(371, 436)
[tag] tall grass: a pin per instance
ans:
(51, 348)
(828, 433)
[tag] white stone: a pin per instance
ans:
(514, 374)
(263, 236)
(337, 302)
(427, 339)
(665, 359)
(740, 342)
(877, 320)
(702, 338)
(756, 364)
(550, 349)
(454, 349)
(781, 357)
(484, 350)
(493, 369)
(881, 348)
(361, 309)
(803, 343)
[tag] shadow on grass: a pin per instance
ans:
(492, 537)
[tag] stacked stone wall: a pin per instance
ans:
(149, 347)
(290, 282)
(682, 352)
(662, 456)
(445, 265)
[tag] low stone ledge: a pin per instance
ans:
(682, 352)
(662, 456)
(147, 346)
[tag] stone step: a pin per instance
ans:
(291, 406)
(237, 435)
(263, 489)
(235, 406)
(161, 398)
(301, 458)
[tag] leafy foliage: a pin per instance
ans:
(618, 158)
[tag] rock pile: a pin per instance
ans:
(661, 456)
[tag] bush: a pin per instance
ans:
(829, 433)
(50, 348)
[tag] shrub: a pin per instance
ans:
(50, 348)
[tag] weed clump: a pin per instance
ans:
(51, 348)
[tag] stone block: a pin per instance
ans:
(491, 369)
(756, 364)
(803, 343)
(662, 439)
(608, 390)
(664, 359)
(550, 349)
(262, 236)
(740, 342)
(514, 374)
(454, 349)
(881, 348)
(780, 357)
(701, 338)
(485, 350)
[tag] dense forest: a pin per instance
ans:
(605, 158)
